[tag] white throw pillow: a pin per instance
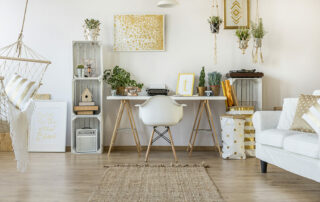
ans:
(288, 113)
(20, 91)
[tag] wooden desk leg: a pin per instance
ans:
(193, 127)
(214, 130)
(131, 124)
(134, 125)
(116, 126)
(196, 132)
(208, 118)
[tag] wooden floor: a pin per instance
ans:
(67, 177)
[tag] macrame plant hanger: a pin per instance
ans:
(17, 58)
(257, 42)
(214, 30)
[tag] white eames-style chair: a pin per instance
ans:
(161, 111)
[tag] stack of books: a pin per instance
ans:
(86, 108)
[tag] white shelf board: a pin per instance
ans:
(87, 78)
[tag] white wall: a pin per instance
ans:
(291, 48)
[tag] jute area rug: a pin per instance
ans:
(156, 183)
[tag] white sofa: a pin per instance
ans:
(293, 151)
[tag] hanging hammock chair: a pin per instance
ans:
(17, 58)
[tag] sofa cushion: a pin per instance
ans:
(288, 112)
(273, 137)
(305, 144)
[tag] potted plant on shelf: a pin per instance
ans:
(80, 69)
(215, 22)
(91, 29)
(201, 87)
(243, 35)
(258, 32)
(119, 79)
(214, 80)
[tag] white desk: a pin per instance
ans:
(203, 105)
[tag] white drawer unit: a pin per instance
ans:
(86, 140)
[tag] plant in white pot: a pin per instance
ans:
(243, 35)
(258, 32)
(80, 69)
(91, 29)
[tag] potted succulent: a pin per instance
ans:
(214, 80)
(119, 79)
(258, 32)
(215, 22)
(91, 29)
(201, 87)
(243, 35)
(80, 69)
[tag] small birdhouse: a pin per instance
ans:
(86, 96)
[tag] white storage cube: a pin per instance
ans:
(233, 136)
(86, 140)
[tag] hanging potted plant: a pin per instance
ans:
(243, 35)
(80, 69)
(215, 22)
(214, 80)
(258, 32)
(91, 29)
(201, 87)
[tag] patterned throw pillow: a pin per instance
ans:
(20, 91)
(312, 117)
(304, 103)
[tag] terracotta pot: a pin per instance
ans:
(215, 90)
(121, 91)
(201, 90)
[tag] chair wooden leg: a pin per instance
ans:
(196, 132)
(149, 146)
(116, 126)
(193, 127)
(172, 145)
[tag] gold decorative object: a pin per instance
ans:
(139, 32)
(201, 90)
(236, 14)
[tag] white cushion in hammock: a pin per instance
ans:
(20, 91)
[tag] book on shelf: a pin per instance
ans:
(85, 113)
(86, 103)
(85, 108)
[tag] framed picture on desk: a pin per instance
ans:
(185, 84)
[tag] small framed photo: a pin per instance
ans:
(236, 14)
(185, 84)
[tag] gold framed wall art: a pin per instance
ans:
(236, 14)
(185, 84)
(139, 33)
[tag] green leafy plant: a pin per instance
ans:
(80, 67)
(92, 23)
(119, 77)
(243, 33)
(214, 78)
(257, 29)
(202, 78)
(215, 22)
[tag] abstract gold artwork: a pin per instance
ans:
(139, 33)
(236, 14)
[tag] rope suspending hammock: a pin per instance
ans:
(18, 58)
